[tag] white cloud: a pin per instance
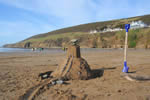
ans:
(68, 11)
(72, 12)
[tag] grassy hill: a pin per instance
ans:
(138, 38)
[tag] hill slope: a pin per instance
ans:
(139, 38)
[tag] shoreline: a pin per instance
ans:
(82, 49)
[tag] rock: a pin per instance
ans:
(119, 91)
(109, 94)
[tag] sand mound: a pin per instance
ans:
(74, 67)
(77, 68)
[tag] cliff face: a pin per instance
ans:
(138, 38)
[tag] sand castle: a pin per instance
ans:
(74, 67)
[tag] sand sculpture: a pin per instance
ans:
(74, 67)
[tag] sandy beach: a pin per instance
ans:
(19, 72)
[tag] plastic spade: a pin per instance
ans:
(126, 68)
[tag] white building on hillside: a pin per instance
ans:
(111, 30)
(137, 24)
(93, 31)
(106, 30)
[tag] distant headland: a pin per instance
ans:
(108, 34)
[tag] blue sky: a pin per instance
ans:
(20, 19)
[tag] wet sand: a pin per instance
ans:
(19, 72)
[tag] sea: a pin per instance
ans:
(14, 50)
(54, 50)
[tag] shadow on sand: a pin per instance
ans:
(97, 73)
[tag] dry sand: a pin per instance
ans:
(19, 72)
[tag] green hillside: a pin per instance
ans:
(138, 38)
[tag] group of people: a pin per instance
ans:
(39, 49)
(64, 49)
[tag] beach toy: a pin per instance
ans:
(126, 68)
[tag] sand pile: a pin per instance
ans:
(74, 67)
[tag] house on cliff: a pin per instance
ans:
(138, 24)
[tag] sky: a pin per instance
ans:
(20, 19)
